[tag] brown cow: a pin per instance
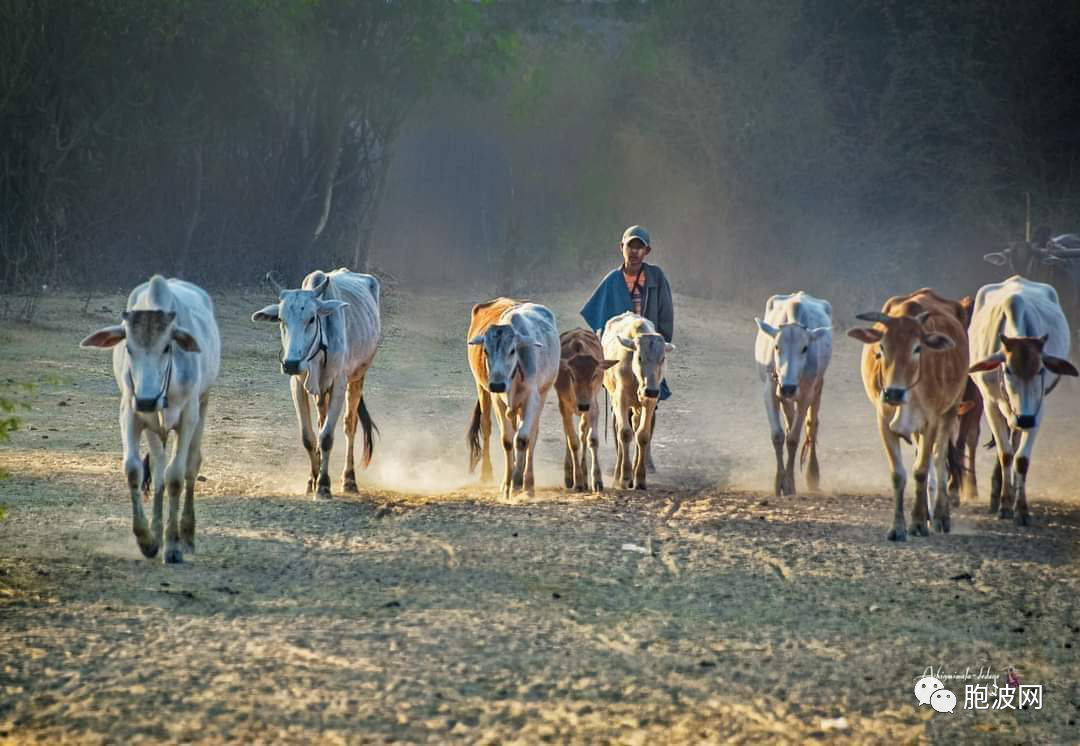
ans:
(581, 374)
(962, 483)
(914, 369)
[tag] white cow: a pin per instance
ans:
(793, 350)
(514, 357)
(330, 330)
(170, 359)
(1020, 339)
(633, 384)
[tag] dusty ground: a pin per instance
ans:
(426, 611)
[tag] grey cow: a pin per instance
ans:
(169, 360)
(330, 331)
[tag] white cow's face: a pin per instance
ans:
(301, 316)
(503, 348)
(149, 339)
(791, 348)
(648, 362)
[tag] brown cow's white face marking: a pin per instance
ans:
(791, 347)
(503, 348)
(648, 362)
(1025, 374)
(301, 315)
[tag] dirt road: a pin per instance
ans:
(427, 611)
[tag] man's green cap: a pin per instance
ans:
(635, 231)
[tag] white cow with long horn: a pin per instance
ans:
(330, 331)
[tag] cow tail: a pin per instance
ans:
(473, 437)
(990, 443)
(369, 429)
(146, 474)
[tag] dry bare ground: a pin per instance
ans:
(427, 611)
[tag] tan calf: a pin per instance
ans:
(581, 374)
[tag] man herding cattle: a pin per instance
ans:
(330, 331)
(169, 360)
(581, 374)
(914, 369)
(1019, 341)
(793, 349)
(513, 350)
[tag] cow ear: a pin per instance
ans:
(989, 363)
(1006, 341)
(765, 328)
(866, 336)
(477, 340)
(1042, 341)
(668, 347)
(270, 313)
(627, 343)
(605, 364)
(106, 337)
(1060, 366)
(327, 307)
(819, 332)
(996, 258)
(185, 340)
(938, 342)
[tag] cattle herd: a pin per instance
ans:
(930, 367)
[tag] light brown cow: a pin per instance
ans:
(513, 350)
(914, 369)
(581, 374)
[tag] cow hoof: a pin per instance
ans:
(323, 493)
(598, 487)
(580, 487)
(1023, 519)
(920, 528)
(147, 545)
(897, 534)
(188, 547)
(568, 482)
(350, 487)
(174, 556)
(942, 525)
(1005, 513)
(310, 487)
(640, 486)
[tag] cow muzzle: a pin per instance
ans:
(290, 367)
(147, 405)
(652, 393)
(894, 396)
(497, 387)
(583, 407)
(788, 390)
(1025, 421)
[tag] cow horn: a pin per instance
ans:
(321, 287)
(877, 316)
(922, 317)
(274, 283)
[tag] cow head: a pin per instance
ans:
(300, 314)
(1024, 382)
(504, 348)
(150, 337)
(648, 362)
(585, 374)
(791, 347)
(900, 347)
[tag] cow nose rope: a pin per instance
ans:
(319, 343)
